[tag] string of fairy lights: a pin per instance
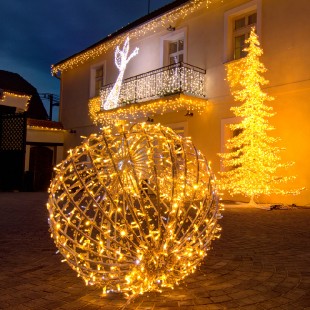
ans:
(176, 78)
(175, 103)
(116, 102)
(7, 94)
(152, 26)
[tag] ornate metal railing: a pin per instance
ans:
(169, 80)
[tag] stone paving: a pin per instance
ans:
(262, 261)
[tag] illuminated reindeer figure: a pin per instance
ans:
(121, 62)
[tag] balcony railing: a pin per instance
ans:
(169, 80)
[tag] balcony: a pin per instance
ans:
(172, 88)
(173, 79)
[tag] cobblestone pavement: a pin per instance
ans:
(262, 261)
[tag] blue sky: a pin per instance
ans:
(38, 33)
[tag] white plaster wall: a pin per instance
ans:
(47, 138)
(44, 135)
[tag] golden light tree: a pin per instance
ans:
(253, 159)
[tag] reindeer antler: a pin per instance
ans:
(121, 59)
(133, 54)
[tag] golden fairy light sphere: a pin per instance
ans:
(134, 209)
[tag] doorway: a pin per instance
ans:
(40, 167)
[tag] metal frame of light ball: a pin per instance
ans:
(134, 209)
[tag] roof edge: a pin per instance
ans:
(117, 37)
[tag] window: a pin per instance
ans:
(97, 79)
(235, 133)
(227, 133)
(173, 47)
(176, 51)
(242, 28)
(180, 128)
(237, 26)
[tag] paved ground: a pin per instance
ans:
(262, 261)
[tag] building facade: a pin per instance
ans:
(179, 77)
(30, 144)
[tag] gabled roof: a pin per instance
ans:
(139, 22)
(13, 82)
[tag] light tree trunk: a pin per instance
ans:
(252, 202)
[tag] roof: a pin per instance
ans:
(13, 82)
(44, 124)
(141, 21)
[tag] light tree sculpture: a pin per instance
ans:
(253, 159)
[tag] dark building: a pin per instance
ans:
(28, 147)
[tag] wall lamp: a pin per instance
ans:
(189, 113)
(170, 28)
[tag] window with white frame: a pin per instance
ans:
(176, 51)
(227, 133)
(173, 47)
(179, 128)
(97, 79)
(241, 30)
(237, 26)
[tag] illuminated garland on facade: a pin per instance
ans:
(46, 125)
(253, 160)
(109, 108)
(172, 79)
(174, 103)
(45, 128)
(15, 95)
(161, 22)
(134, 209)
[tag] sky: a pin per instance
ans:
(38, 33)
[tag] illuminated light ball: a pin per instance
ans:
(134, 209)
